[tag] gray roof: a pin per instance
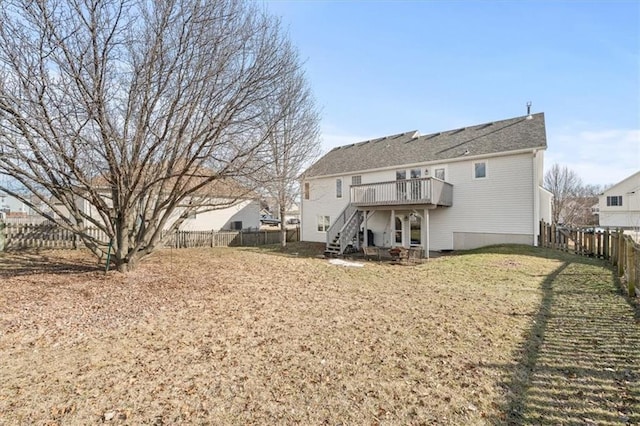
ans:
(496, 137)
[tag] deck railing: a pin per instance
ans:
(403, 192)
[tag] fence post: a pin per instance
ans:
(2, 236)
(622, 258)
(631, 268)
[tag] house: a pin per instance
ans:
(224, 205)
(13, 210)
(619, 206)
(451, 190)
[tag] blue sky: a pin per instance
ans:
(384, 67)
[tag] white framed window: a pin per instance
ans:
(356, 180)
(480, 170)
(614, 200)
(338, 188)
(439, 173)
(324, 222)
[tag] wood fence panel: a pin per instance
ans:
(49, 235)
(619, 249)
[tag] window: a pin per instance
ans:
(306, 190)
(614, 200)
(401, 174)
(416, 173)
(356, 180)
(236, 225)
(480, 170)
(338, 188)
(398, 230)
(439, 174)
(323, 223)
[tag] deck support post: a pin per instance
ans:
(365, 237)
(392, 227)
(426, 233)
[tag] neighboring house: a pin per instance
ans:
(578, 211)
(451, 190)
(292, 210)
(12, 204)
(226, 206)
(16, 211)
(293, 213)
(619, 206)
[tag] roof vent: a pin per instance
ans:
(529, 116)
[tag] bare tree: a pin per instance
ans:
(134, 108)
(566, 187)
(293, 142)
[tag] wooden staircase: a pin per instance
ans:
(343, 231)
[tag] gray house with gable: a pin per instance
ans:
(451, 190)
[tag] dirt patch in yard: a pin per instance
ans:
(240, 336)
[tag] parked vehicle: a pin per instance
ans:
(592, 230)
(269, 221)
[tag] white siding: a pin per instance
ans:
(546, 205)
(502, 203)
(498, 208)
(322, 201)
(247, 212)
(628, 214)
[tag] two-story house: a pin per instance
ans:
(451, 190)
(619, 206)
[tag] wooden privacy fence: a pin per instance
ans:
(620, 249)
(49, 235)
(16, 236)
(190, 239)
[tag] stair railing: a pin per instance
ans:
(350, 230)
(339, 223)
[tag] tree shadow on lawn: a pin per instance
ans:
(44, 262)
(580, 361)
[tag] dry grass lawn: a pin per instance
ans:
(506, 335)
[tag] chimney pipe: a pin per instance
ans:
(529, 117)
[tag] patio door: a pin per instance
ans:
(416, 230)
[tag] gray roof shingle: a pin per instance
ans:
(407, 148)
